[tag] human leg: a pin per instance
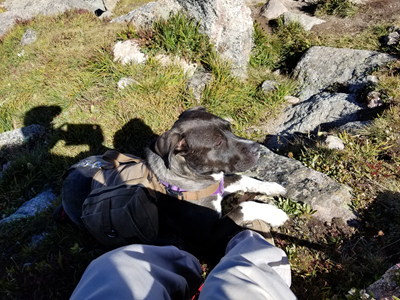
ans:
(251, 269)
(140, 272)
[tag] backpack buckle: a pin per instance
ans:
(111, 234)
(173, 192)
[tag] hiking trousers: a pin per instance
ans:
(251, 269)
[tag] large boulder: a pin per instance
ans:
(322, 67)
(46, 7)
(147, 14)
(24, 10)
(330, 81)
(329, 198)
(324, 111)
(230, 27)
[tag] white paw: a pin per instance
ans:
(266, 212)
(271, 189)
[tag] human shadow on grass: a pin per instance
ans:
(134, 137)
(32, 165)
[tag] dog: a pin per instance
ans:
(199, 151)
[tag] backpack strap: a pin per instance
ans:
(116, 158)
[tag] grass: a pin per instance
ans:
(67, 82)
(281, 49)
(340, 8)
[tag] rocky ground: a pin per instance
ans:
(370, 13)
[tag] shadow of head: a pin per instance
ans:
(42, 115)
(133, 137)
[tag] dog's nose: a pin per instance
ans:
(255, 148)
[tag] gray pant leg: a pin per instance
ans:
(140, 272)
(251, 269)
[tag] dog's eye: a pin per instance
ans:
(218, 142)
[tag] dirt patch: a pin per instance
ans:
(371, 13)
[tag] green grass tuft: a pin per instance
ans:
(340, 8)
(179, 35)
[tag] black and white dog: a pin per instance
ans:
(198, 152)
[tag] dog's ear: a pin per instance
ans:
(197, 108)
(169, 143)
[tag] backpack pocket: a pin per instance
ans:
(121, 215)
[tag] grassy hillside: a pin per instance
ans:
(67, 82)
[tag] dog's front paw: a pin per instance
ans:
(266, 212)
(272, 189)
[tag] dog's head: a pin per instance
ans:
(202, 143)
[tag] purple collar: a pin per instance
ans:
(174, 189)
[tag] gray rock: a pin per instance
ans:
(374, 99)
(305, 21)
(386, 287)
(268, 86)
(371, 79)
(354, 127)
(25, 10)
(321, 67)
(36, 205)
(126, 81)
(198, 82)
(392, 39)
(325, 195)
(37, 239)
(328, 110)
(8, 18)
(46, 7)
(29, 37)
(272, 9)
(21, 135)
(229, 25)
(147, 14)
(110, 4)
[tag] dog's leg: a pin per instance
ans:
(249, 210)
(251, 185)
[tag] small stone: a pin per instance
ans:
(333, 142)
(110, 4)
(372, 79)
(36, 205)
(291, 99)
(272, 9)
(305, 21)
(374, 99)
(268, 86)
(126, 81)
(392, 39)
(198, 83)
(128, 51)
(29, 37)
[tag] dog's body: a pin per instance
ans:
(199, 151)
